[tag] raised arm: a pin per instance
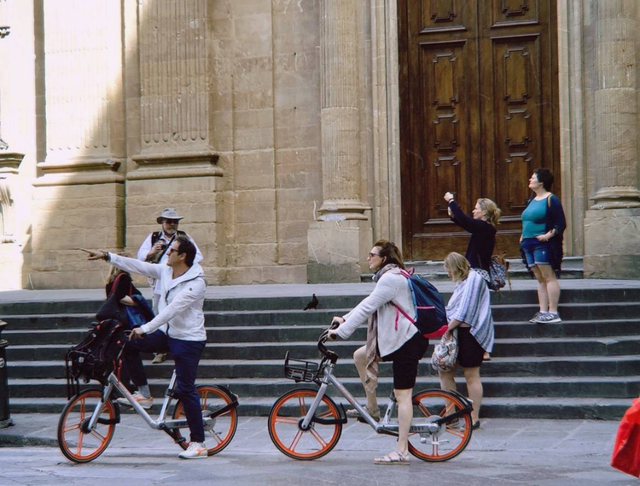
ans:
(467, 222)
(136, 266)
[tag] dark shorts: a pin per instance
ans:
(405, 361)
(470, 353)
(536, 252)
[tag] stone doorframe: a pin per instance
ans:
(387, 211)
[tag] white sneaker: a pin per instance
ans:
(144, 402)
(196, 450)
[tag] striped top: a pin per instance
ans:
(470, 303)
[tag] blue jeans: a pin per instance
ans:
(535, 251)
(186, 355)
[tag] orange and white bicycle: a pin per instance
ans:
(89, 419)
(306, 423)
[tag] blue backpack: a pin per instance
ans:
(430, 317)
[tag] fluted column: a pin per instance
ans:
(616, 105)
(610, 225)
(340, 116)
(339, 240)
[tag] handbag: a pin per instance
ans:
(498, 273)
(626, 449)
(445, 353)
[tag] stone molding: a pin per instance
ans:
(178, 166)
(10, 162)
(80, 170)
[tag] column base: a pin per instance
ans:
(338, 250)
(611, 243)
(618, 197)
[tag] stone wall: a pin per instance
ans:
(272, 126)
(208, 106)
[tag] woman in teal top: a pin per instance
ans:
(543, 224)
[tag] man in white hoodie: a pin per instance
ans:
(183, 287)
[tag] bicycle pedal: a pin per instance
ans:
(363, 421)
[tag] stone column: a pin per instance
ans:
(79, 192)
(339, 238)
(175, 138)
(612, 248)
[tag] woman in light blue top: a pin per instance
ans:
(543, 224)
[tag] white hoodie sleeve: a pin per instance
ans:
(136, 266)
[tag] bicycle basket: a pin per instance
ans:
(299, 370)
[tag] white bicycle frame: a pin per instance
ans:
(427, 426)
(159, 424)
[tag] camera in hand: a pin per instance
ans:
(157, 256)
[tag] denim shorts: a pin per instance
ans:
(536, 252)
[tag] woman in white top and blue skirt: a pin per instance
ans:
(469, 311)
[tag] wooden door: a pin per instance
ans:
(478, 97)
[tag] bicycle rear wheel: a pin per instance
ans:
(218, 430)
(287, 414)
(76, 442)
(451, 439)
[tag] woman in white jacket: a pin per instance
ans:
(390, 337)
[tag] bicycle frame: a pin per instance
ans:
(431, 425)
(160, 423)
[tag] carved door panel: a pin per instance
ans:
(478, 93)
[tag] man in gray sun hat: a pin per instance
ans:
(154, 250)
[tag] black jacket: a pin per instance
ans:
(483, 237)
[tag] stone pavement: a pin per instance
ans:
(503, 452)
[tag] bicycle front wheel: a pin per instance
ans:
(451, 439)
(284, 425)
(218, 429)
(76, 442)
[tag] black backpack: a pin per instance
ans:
(431, 316)
(97, 356)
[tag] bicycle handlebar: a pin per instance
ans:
(327, 353)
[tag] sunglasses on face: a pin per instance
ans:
(172, 221)
(371, 255)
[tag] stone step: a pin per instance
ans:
(531, 346)
(90, 307)
(602, 328)
(493, 407)
(572, 268)
(273, 369)
(501, 313)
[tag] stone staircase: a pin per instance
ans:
(587, 367)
